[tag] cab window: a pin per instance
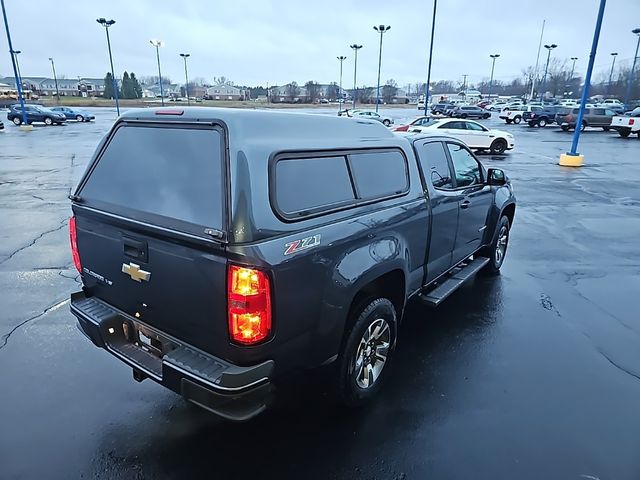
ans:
(435, 165)
(466, 168)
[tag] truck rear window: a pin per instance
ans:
(173, 172)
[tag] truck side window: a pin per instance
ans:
(435, 165)
(303, 184)
(379, 174)
(465, 166)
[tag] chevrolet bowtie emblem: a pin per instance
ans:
(135, 273)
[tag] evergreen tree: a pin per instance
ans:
(108, 85)
(137, 89)
(127, 86)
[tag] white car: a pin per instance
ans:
(475, 135)
(371, 115)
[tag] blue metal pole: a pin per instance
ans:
(433, 29)
(113, 74)
(630, 82)
(13, 63)
(587, 79)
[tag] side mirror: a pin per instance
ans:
(495, 176)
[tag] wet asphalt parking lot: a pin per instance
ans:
(534, 374)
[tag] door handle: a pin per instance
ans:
(465, 204)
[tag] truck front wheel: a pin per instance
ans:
(498, 248)
(364, 358)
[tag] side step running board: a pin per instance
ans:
(435, 297)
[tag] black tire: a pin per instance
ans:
(498, 146)
(464, 115)
(17, 121)
(357, 351)
(48, 121)
(564, 128)
(606, 129)
(508, 120)
(624, 132)
(542, 122)
(496, 255)
(583, 126)
(517, 119)
(486, 115)
(386, 122)
(531, 124)
(79, 118)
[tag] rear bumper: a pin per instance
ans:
(230, 391)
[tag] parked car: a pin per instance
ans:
(474, 134)
(593, 117)
(35, 113)
(540, 116)
(497, 106)
(439, 108)
(448, 111)
(470, 112)
(370, 114)
(232, 278)
(74, 114)
(420, 121)
(628, 123)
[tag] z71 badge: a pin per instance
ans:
(303, 244)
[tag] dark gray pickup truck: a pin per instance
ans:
(220, 249)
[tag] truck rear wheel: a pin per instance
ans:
(517, 119)
(366, 352)
(624, 132)
(498, 248)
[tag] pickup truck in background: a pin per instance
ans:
(514, 114)
(540, 116)
(628, 123)
(263, 243)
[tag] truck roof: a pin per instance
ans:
(276, 129)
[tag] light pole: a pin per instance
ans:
(633, 67)
(380, 29)
(342, 58)
(106, 24)
(573, 67)
(13, 63)
(613, 64)
(355, 48)
(433, 30)
(546, 67)
(15, 54)
(493, 64)
(55, 79)
(186, 75)
(158, 44)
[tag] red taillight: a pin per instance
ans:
(631, 120)
(249, 305)
(73, 236)
(170, 111)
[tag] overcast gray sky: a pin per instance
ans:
(264, 41)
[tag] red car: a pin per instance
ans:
(420, 121)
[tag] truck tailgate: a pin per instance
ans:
(175, 286)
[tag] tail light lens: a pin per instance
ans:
(249, 305)
(631, 121)
(73, 237)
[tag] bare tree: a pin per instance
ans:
(313, 90)
(293, 91)
(389, 90)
